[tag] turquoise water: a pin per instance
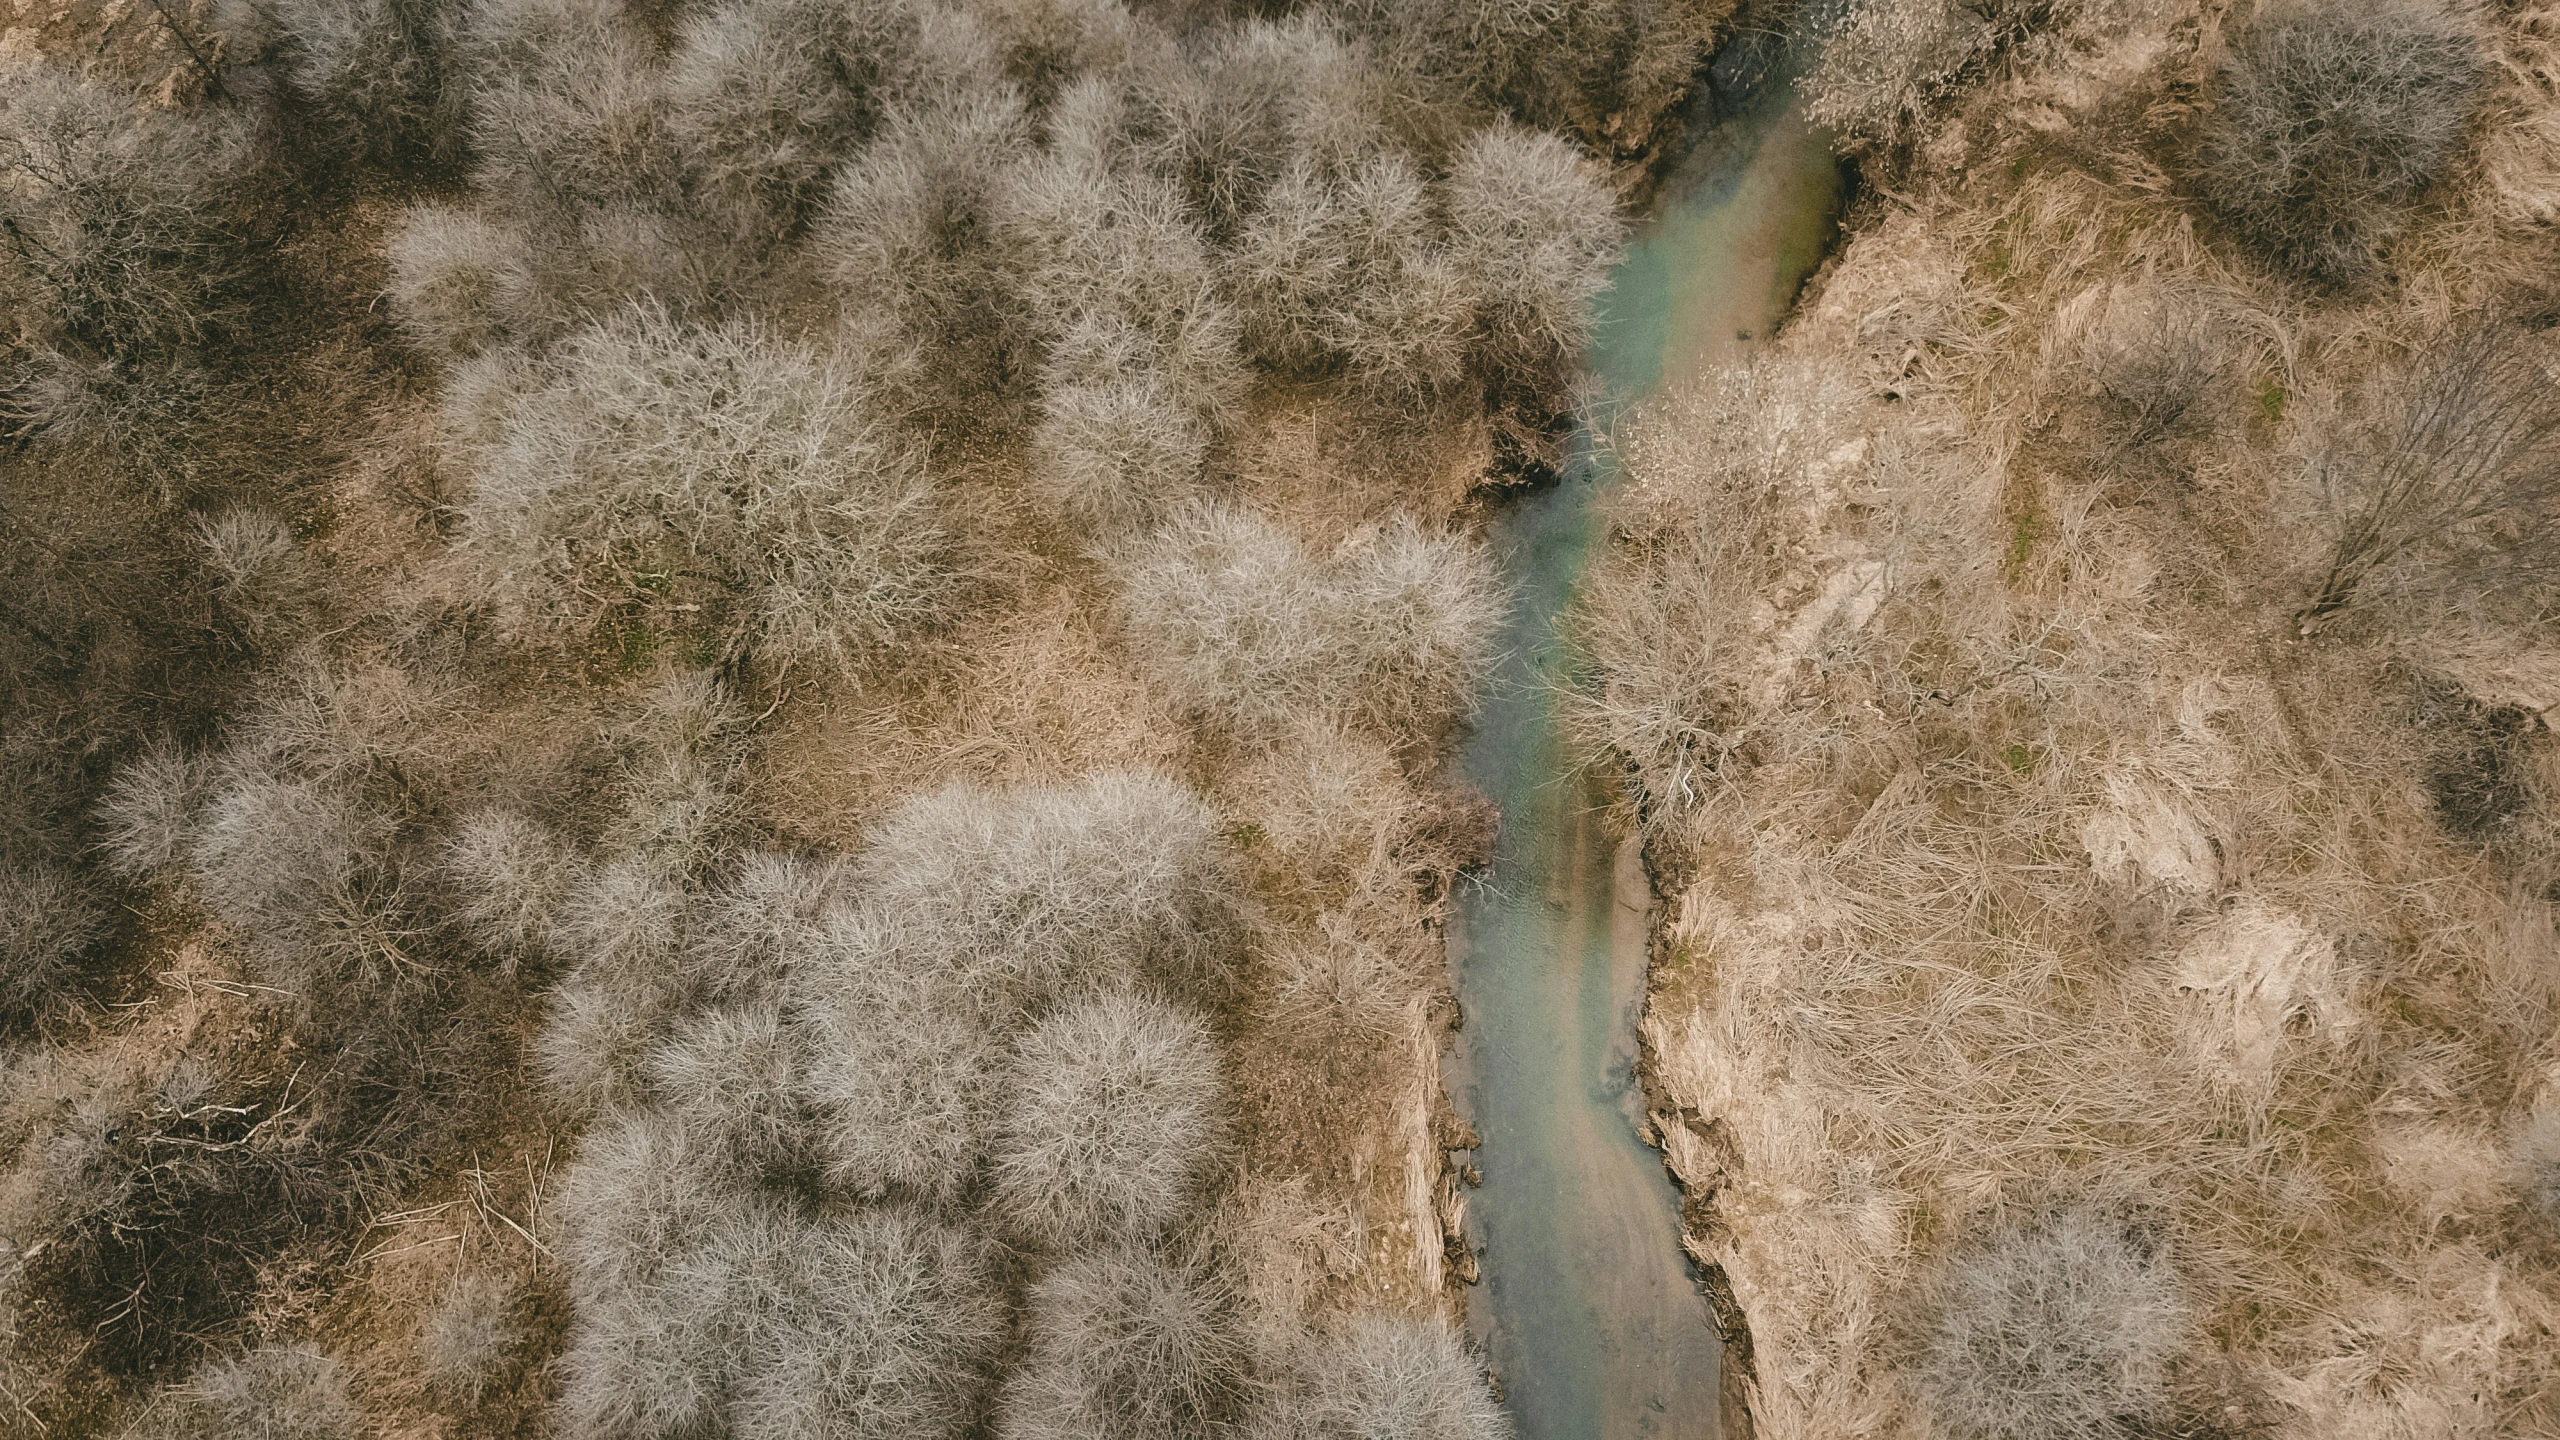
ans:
(1593, 1317)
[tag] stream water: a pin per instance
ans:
(1591, 1312)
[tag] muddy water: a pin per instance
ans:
(1593, 1317)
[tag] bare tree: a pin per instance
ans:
(2456, 486)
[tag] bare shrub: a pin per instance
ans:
(622, 931)
(146, 818)
(277, 1393)
(460, 281)
(908, 238)
(644, 1353)
(2051, 1326)
(1347, 270)
(766, 97)
(2330, 120)
(1136, 1341)
(876, 1324)
(470, 1338)
(1667, 613)
(510, 875)
(261, 579)
(48, 920)
(119, 239)
(702, 1305)
(1034, 890)
(1109, 251)
(1110, 1122)
(765, 918)
(1385, 1377)
(903, 1072)
(1226, 610)
(1114, 454)
(1251, 102)
(2455, 486)
(568, 111)
(654, 457)
(2154, 358)
(732, 1075)
(679, 806)
(1042, 45)
(1533, 233)
(289, 861)
(1885, 63)
(381, 77)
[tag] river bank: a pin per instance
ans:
(2096, 989)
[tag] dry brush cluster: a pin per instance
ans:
(445, 437)
(2088, 685)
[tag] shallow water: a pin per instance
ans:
(1592, 1314)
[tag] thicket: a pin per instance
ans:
(2050, 1326)
(2452, 491)
(1884, 66)
(2330, 121)
(751, 333)
(1392, 630)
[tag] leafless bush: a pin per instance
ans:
(622, 931)
(1667, 613)
(1035, 890)
(679, 805)
(2052, 1326)
(1885, 63)
(645, 1354)
(656, 459)
(2455, 486)
(1347, 269)
(460, 281)
(1041, 45)
(471, 1336)
(1115, 453)
(380, 76)
(904, 1063)
(146, 819)
(909, 241)
(877, 1324)
(291, 861)
(766, 917)
(1113, 270)
(120, 241)
(701, 1304)
(766, 97)
(1135, 1341)
(261, 579)
(1227, 611)
(1234, 116)
(1533, 234)
(510, 875)
(48, 919)
(568, 110)
(1110, 1122)
(2330, 120)
(733, 1076)
(2154, 359)
(277, 1393)
(1383, 1376)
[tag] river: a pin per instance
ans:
(1592, 1314)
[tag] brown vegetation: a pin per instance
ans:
(2085, 688)
(626, 812)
